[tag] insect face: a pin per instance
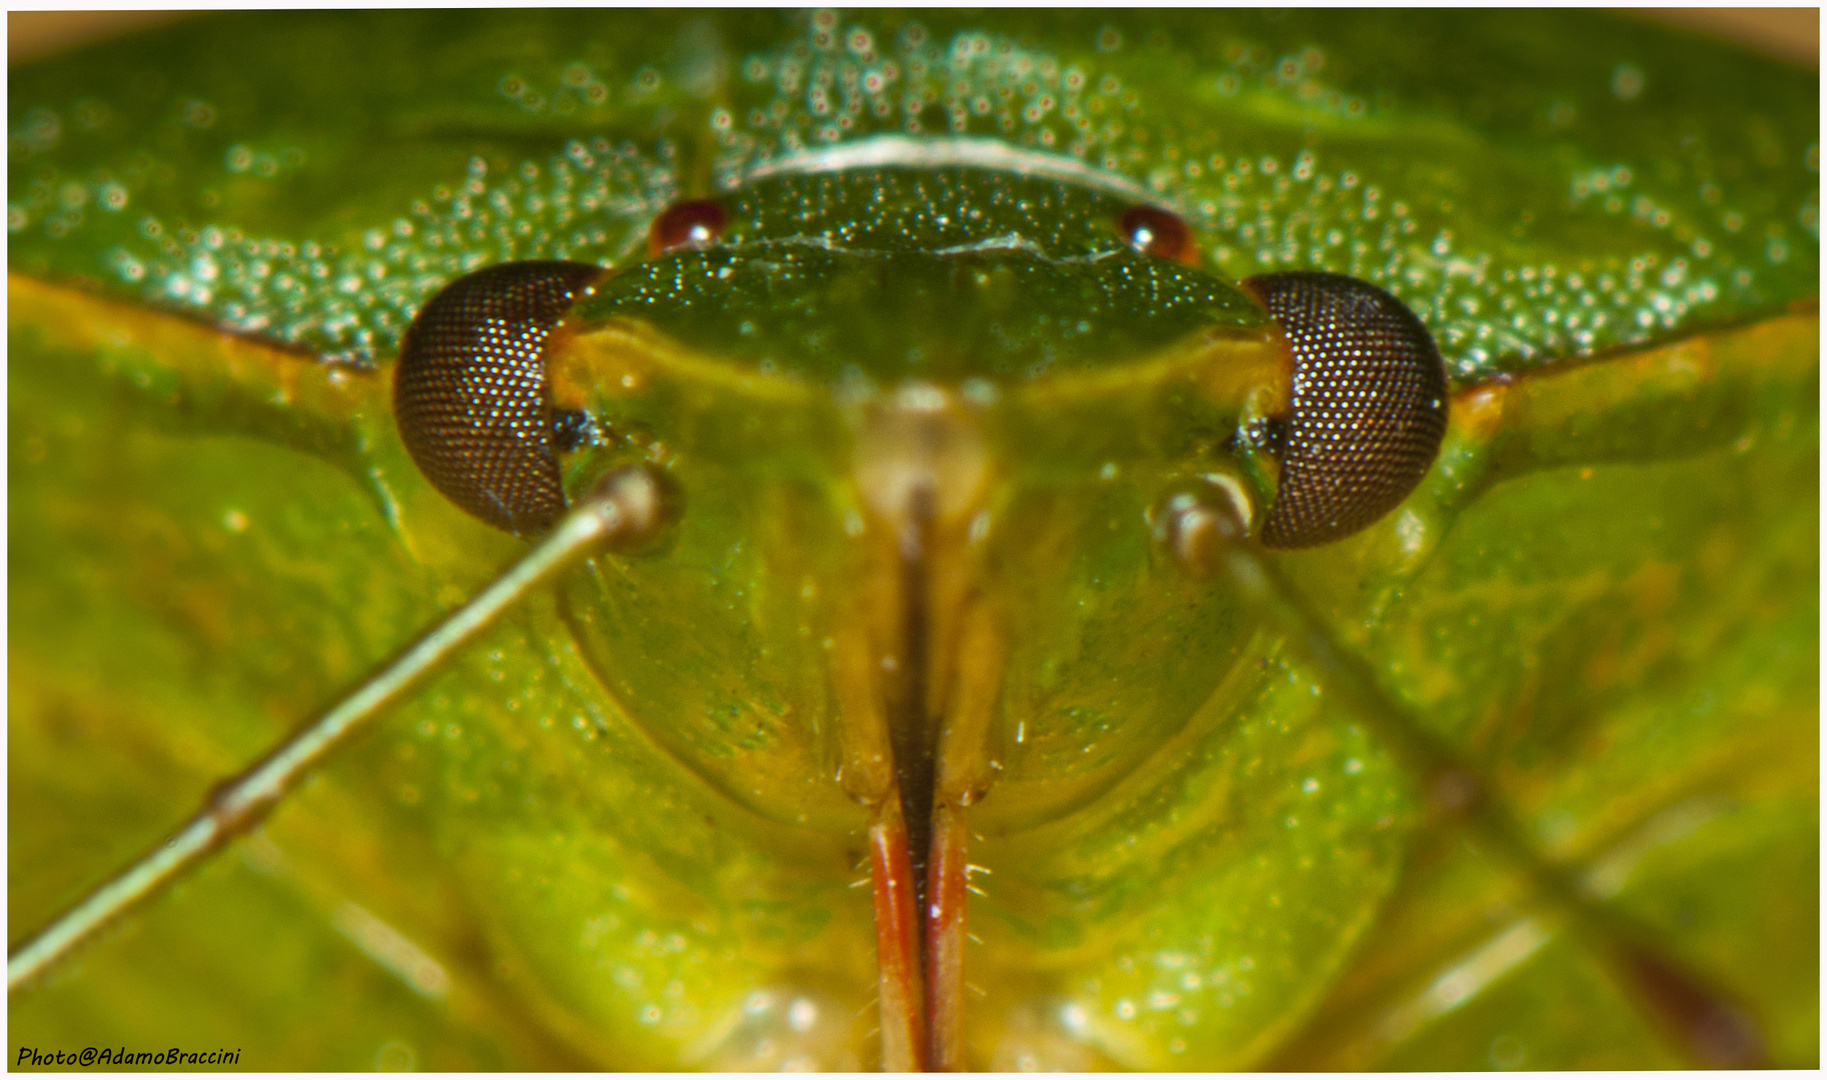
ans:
(984, 356)
(871, 400)
(847, 276)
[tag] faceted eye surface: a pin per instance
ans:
(1369, 405)
(469, 394)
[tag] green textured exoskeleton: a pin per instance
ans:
(975, 357)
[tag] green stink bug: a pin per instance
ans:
(1201, 850)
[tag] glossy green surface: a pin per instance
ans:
(1604, 595)
(852, 277)
(1455, 164)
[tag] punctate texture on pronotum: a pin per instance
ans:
(1231, 720)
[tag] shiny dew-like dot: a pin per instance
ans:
(1161, 233)
(695, 223)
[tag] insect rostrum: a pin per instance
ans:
(617, 832)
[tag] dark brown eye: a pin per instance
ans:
(469, 394)
(1369, 405)
(694, 223)
(1153, 231)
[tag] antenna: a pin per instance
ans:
(621, 511)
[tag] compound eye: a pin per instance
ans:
(469, 394)
(695, 223)
(1369, 405)
(1154, 231)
